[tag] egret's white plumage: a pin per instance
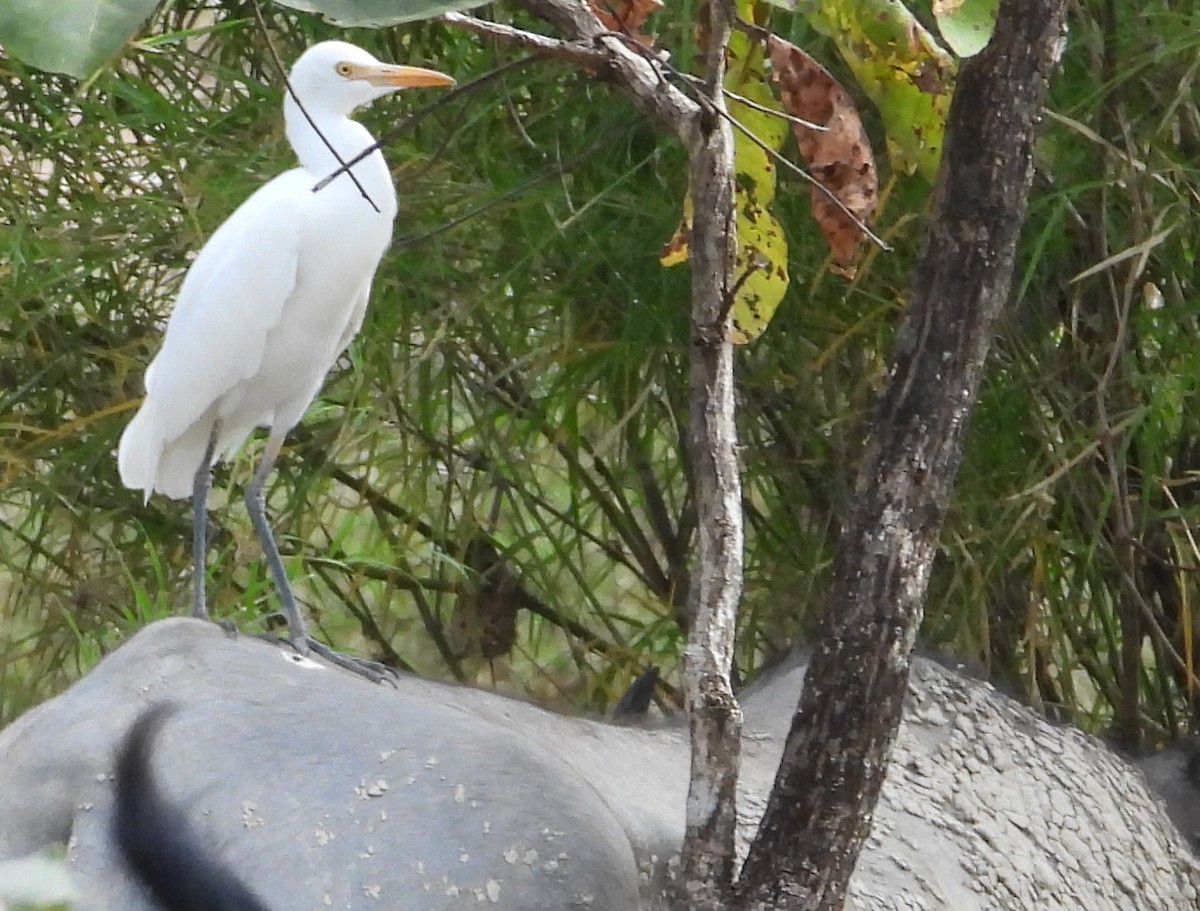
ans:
(276, 294)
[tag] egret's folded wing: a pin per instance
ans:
(234, 294)
(361, 297)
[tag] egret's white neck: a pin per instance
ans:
(347, 137)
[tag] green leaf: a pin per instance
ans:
(900, 67)
(75, 37)
(966, 25)
(376, 13)
(760, 273)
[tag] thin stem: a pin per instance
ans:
(782, 115)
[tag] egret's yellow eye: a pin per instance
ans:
(344, 69)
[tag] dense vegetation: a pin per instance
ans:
(492, 485)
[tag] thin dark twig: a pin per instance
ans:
(424, 112)
(752, 30)
(262, 25)
(782, 115)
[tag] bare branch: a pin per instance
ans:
(642, 79)
(584, 55)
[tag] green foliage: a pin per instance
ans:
(966, 25)
(492, 484)
(35, 32)
(78, 37)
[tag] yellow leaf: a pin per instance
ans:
(761, 268)
(675, 251)
(760, 274)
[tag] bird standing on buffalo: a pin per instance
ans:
(272, 300)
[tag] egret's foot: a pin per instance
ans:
(363, 667)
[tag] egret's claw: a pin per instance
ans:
(363, 667)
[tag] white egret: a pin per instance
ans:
(273, 298)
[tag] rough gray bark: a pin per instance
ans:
(820, 810)
(716, 579)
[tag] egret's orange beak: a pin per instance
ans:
(401, 76)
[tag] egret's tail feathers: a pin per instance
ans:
(149, 463)
(138, 452)
(180, 460)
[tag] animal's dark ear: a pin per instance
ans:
(1192, 769)
(156, 840)
(635, 703)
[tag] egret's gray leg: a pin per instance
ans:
(297, 629)
(200, 486)
(256, 503)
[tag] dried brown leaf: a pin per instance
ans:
(627, 16)
(484, 622)
(839, 158)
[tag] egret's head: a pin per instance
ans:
(339, 77)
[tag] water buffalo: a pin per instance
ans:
(316, 789)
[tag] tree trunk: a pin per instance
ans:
(820, 810)
(713, 713)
